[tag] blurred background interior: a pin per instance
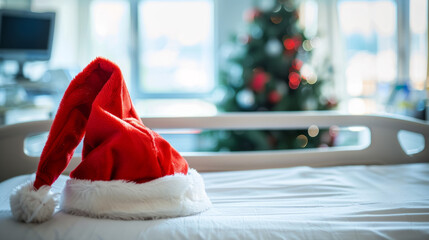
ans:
(202, 57)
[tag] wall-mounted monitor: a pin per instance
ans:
(26, 35)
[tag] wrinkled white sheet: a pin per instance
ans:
(346, 202)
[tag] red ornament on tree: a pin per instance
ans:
(294, 80)
(259, 79)
(289, 44)
(274, 97)
(297, 64)
(292, 43)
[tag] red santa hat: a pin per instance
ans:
(127, 171)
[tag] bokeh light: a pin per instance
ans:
(276, 19)
(307, 45)
(302, 141)
(333, 131)
(313, 131)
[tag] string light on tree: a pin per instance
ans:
(307, 46)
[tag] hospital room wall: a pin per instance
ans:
(71, 44)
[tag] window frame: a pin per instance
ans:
(136, 90)
(403, 40)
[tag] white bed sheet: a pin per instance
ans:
(345, 202)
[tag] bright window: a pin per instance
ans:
(418, 46)
(369, 32)
(385, 53)
(109, 33)
(164, 48)
(176, 47)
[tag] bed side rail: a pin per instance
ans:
(384, 147)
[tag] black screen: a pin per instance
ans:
(24, 33)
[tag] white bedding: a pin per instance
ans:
(346, 202)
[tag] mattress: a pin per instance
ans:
(341, 202)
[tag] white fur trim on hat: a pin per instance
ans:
(168, 196)
(30, 205)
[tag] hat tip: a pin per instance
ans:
(104, 63)
(30, 205)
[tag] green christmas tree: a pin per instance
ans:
(269, 71)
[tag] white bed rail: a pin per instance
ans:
(384, 147)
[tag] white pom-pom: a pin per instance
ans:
(30, 205)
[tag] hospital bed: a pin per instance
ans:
(376, 191)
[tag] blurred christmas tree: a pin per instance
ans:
(269, 70)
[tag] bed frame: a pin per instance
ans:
(382, 196)
(384, 147)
